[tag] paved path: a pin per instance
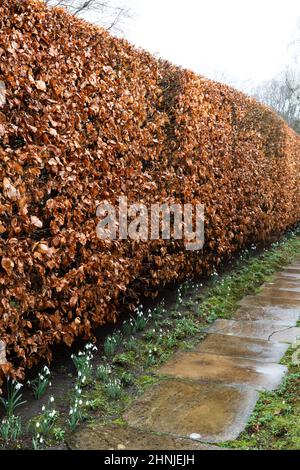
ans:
(206, 396)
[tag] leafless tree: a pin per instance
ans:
(106, 12)
(283, 95)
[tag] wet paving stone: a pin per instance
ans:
(216, 413)
(292, 269)
(224, 369)
(288, 336)
(258, 329)
(272, 292)
(282, 277)
(246, 348)
(289, 275)
(126, 438)
(284, 285)
(268, 300)
(284, 317)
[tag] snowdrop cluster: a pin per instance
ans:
(45, 423)
(114, 388)
(76, 413)
(41, 383)
(10, 428)
(14, 397)
(141, 320)
(152, 357)
(110, 346)
(129, 327)
(83, 363)
(103, 373)
(179, 299)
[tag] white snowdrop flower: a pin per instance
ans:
(71, 411)
(80, 402)
(79, 374)
(41, 440)
(50, 384)
(87, 403)
(195, 437)
(37, 425)
(51, 399)
(43, 408)
(18, 386)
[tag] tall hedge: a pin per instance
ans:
(89, 118)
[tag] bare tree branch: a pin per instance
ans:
(108, 14)
(283, 95)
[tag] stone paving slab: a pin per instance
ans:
(272, 292)
(288, 336)
(290, 275)
(239, 347)
(283, 285)
(282, 277)
(292, 269)
(126, 438)
(284, 317)
(258, 329)
(224, 369)
(2, 353)
(216, 413)
(256, 300)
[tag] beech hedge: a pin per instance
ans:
(86, 118)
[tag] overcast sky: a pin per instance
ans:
(243, 41)
(246, 40)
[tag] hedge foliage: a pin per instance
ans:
(89, 118)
